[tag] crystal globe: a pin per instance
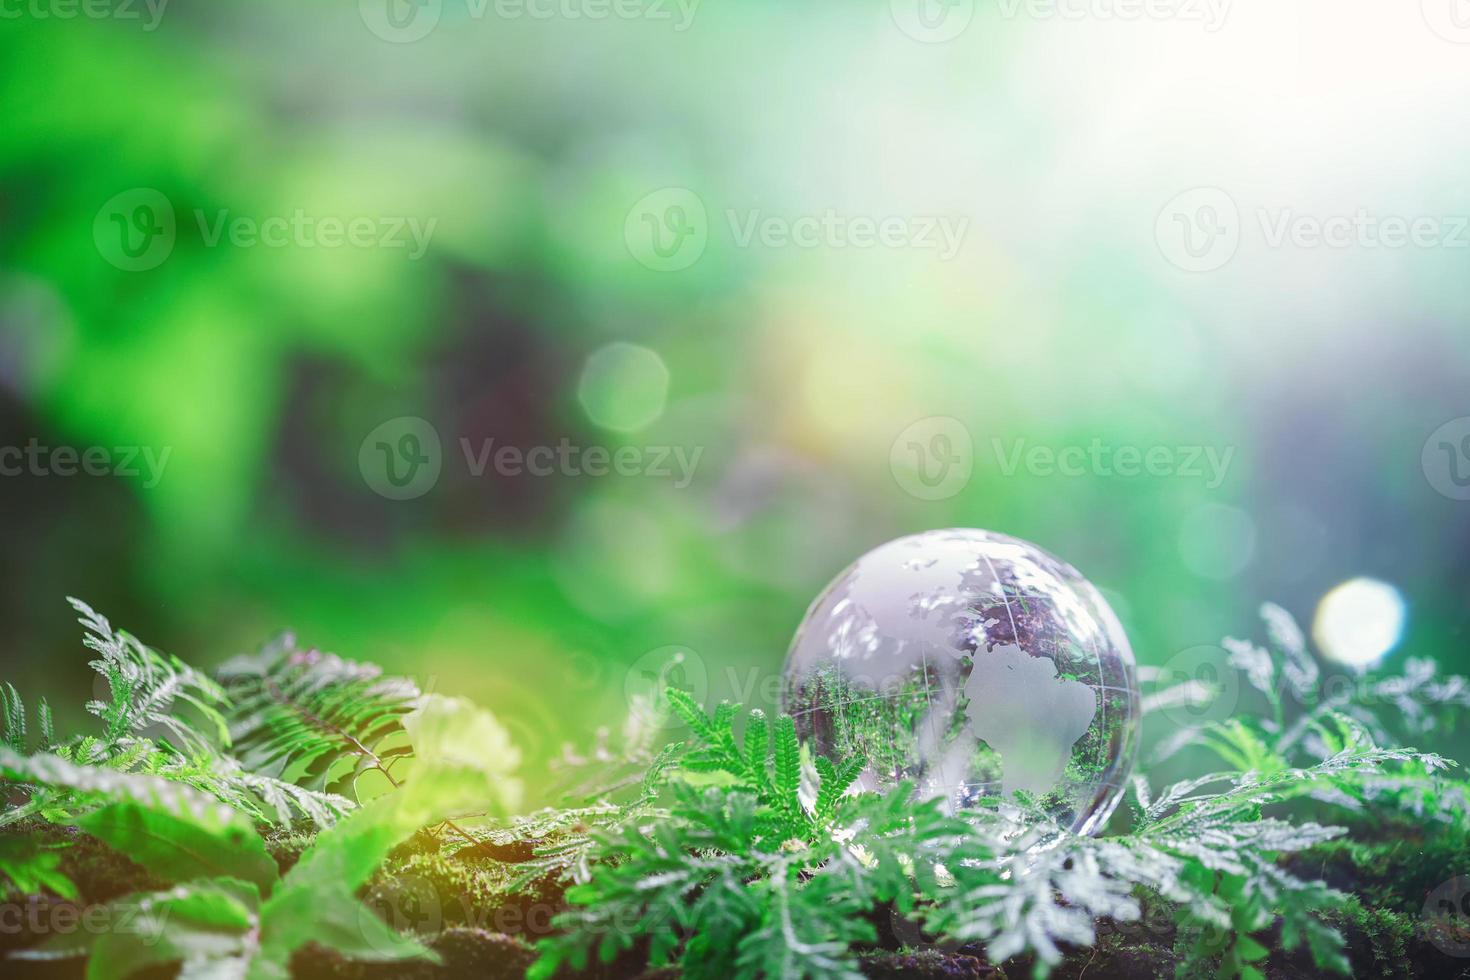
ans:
(972, 664)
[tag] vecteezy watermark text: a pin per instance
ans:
(1200, 230)
(568, 459)
(937, 21)
(934, 458)
(406, 21)
(1210, 13)
(832, 229)
(34, 459)
(149, 12)
(668, 230)
(141, 918)
(302, 230)
(1097, 458)
(403, 457)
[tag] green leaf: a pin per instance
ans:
(177, 847)
(835, 781)
(788, 777)
(147, 687)
(49, 772)
(30, 867)
(316, 901)
(689, 711)
(14, 711)
(757, 745)
(48, 729)
(208, 926)
(313, 718)
(340, 922)
(1249, 950)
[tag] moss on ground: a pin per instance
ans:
(462, 905)
(1394, 869)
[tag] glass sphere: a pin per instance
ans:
(972, 664)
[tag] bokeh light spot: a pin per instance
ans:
(1359, 621)
(1216, 541)
(624, 387)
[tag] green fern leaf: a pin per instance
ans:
(48, 729)
(757, 748)
(787, 758)
(14, 711)
(689, 711)
(147, 689)
(315, 719)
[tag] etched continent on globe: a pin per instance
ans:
(1019, 707)
(971, 664)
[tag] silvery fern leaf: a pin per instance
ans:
(147, 689)
(315, 719)
(1254, 661)
(1299, 669)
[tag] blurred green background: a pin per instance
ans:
(582, 183)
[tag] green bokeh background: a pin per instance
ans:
(529, 143)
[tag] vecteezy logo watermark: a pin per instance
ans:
(401, 458)
(831, 229)
(1199, 230)
(1210, 13)
(910, 934)
(932, 459)
(405, 21)
(932, 21)
(668, 230)
(1446, 917)
(1097, 458)
(149, 12)
(129, 462)
(568, 459)
(1446, 459)
(407, 904)
(650, 676)
(1199, 686)
(135, 230)
(1450, 19)
(400, 21)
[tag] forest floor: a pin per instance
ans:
(461, 904)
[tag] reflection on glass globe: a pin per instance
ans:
(974, 665)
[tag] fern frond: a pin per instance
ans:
(265, 799)
(48, 728)
(757, 746)
(147, 688)
(14, 711)
(835, 781)
(787, 759)
(62, 786)
(315, 719)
